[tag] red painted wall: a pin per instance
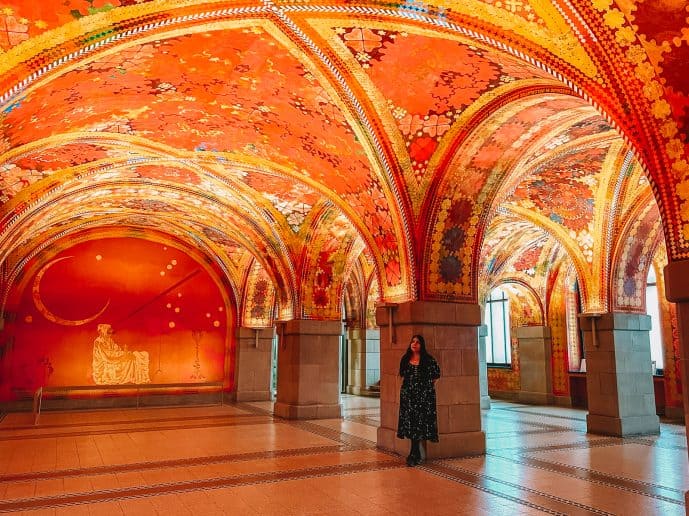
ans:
(157, 299)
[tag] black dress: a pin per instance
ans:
(418, 415)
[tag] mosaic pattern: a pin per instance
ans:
(439, 79)
(515, 250)
(414, 122)
(474, 178)
(559, 333)
(330, 242)
(259, 304)
(638, 246)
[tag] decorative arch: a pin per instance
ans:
(326, 251)
(637, 243)
(258, 305)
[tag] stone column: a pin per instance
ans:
(253, 354)
(308, 370)
(535, 368)
(364, 360)
(483, 367)
(451, 334)
(619, 381)
(677, 291)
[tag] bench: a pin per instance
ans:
(139, 393)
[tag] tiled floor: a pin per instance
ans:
(237, 459)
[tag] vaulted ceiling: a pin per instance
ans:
(294, 142)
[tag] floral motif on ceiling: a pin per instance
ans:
(68, 155)
(321, 279)
(563, 189)
(637, 245)
(259, 299)
(222, 96)
(516, 250)
(473, 180)
(590, 124)
(238, 96)
(437, 80)
(131, 121)
(637, 185)
(168, 172)
(19, 172)
(292, 199)
(663, 29)
(502, 231)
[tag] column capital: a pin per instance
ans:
(312, 327)
(532, 332)
(430, 312)
(615, 321)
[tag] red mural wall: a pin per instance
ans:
(114, 311)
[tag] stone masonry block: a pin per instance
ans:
(532, 332)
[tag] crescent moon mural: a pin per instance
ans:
(36, 292)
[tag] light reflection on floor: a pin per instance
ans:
(238, 459)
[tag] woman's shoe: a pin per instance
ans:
(411, 461)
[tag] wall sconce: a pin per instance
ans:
(594, 317)
(280, 326)
(390, 307)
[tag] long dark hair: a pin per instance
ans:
(425, 356)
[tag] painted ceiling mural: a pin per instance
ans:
(519, 252)
(284, 139)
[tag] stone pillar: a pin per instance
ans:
(619, 381)
(535, 368)
(677, 291)
(308, 370)
(364, 361)
(254, 349)
(483, 367)
(451, 334)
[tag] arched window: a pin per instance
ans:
(498, 349)
(655, 335)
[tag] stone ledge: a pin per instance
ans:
(535, 398)
(311, 327)
(250, 333)
(623, 427)
(430, 312)
(532, 332)
(320, 411)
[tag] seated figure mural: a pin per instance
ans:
(115, 365)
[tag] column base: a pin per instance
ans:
(535, 398)
(289, 411)
(563, 401)
(252, 396)
(674, 413)
(460, 444)
(622, 427)
(485, 402)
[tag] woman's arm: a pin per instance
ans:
(435, 371)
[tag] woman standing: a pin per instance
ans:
(418, 419)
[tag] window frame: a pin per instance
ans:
(656, 322)
(506, 333)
